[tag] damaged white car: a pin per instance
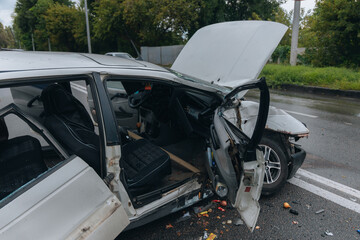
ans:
(116, 143)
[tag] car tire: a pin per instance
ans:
(276, 164)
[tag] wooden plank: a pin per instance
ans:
(172, 156)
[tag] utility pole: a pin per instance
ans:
(32, 40)
(295, 33)
(87, 27)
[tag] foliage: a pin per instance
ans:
(333, 33)
(6, 37)
(330, 77)
(281, 54)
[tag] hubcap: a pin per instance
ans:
(272, 165)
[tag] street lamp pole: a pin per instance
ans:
(295, 33)
(87, 27)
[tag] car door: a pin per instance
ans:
(68, 201)
(239, 160)
(125, 115)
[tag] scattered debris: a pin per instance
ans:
(353, 199)
(221, 209)
(286, 205)
(205, 235)
(168, 226)
(185, 217)
(238, 222)
(294, 212)
(216, 201)
(295, 202)
(223, 203)
(178, 233)
(211, 236)
(218, 217)
(295, 222)
(358, 231)
(223, 223)
(308, 206)
(229, 222)
(276, 227)
(257, 227)
(205, 212)
(327, 232)
(203, 208)
(320, 211)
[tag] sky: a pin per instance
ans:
(7, 8)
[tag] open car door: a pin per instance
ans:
(67, 201)
(238, 159)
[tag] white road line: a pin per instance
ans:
(326, 194)
(302, 114)
(332, 184)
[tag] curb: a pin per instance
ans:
(321, 90)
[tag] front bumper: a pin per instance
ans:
(297, 160)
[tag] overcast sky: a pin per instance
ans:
(7, 8)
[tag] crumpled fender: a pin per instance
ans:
(278, 120)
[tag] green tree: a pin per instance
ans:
(332, 33)
(6, 37)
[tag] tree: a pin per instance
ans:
(332, 33)
(6, 37)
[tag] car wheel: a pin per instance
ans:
(276, 167)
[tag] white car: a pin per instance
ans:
(115, 143)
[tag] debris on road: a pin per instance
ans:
(294, 212)
(286, 205)
(327, 232)
(211, 236)
(320, 211)
(205, 235)
(168, 226)
(221, 209)
(229, 222)
(203, 208)
(308, 206)
(238, 222)
(358, 231)
(223, 203)
(257, 227)
(185, 217)
(295, 222)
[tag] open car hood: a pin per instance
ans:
(230, 53)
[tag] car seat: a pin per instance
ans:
(144, 163)
(68, 121)
(20, 161)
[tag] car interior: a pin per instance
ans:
(171, 122)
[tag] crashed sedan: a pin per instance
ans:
(112, 144)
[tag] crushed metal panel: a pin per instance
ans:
(249, 191)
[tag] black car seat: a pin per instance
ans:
(66, 118)
(20, 161)
(68, 121)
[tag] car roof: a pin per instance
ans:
(27, 60)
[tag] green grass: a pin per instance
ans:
(329, 77)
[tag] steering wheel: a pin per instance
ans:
(138, 97)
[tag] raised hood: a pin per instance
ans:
(230, 53)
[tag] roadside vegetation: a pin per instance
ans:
(329, 77)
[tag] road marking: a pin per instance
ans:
(332, 184)
(302, 114)
(326, 194)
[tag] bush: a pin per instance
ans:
(329, 77)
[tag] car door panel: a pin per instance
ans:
(70, 202)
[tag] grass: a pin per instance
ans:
(329, 77)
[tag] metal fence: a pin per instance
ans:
(164, 55)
